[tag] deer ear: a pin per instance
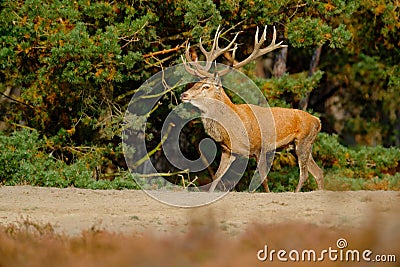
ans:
(216, 78)
(217, 81)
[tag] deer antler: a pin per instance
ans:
(213, 54)
(257, 44)
(216, 51)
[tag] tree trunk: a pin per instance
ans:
(313, 68)
(280, 63)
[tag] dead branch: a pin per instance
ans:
(165, 51)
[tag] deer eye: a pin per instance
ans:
(206, 86)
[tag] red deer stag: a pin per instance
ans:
(291, 125)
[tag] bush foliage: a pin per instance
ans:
(25, 160)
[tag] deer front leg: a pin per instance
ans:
(303, 174)
(226, 160)
(262, 169)
(265, 185)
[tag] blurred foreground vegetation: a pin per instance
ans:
(68, 70)
(30, 243)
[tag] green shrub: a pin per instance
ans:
(25, 160)
(360, 168)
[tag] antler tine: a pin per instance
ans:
(188, 57)
(216, 38)
(207, 55)
(210, 54)
(188, 60)
(215, 44)
(187, 68)
(257, 43)
(234, 53)
(272, 45)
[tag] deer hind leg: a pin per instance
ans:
(303, 151)
(226, 160)
(316, 172)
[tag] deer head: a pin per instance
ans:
(200, 93)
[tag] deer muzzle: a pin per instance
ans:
(185, 97)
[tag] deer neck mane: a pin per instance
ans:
(217, 113)
(222, 96)
(214, 109)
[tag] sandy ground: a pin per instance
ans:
(73, 210)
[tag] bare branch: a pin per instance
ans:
(165, 51)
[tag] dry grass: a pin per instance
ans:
(31, 244)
